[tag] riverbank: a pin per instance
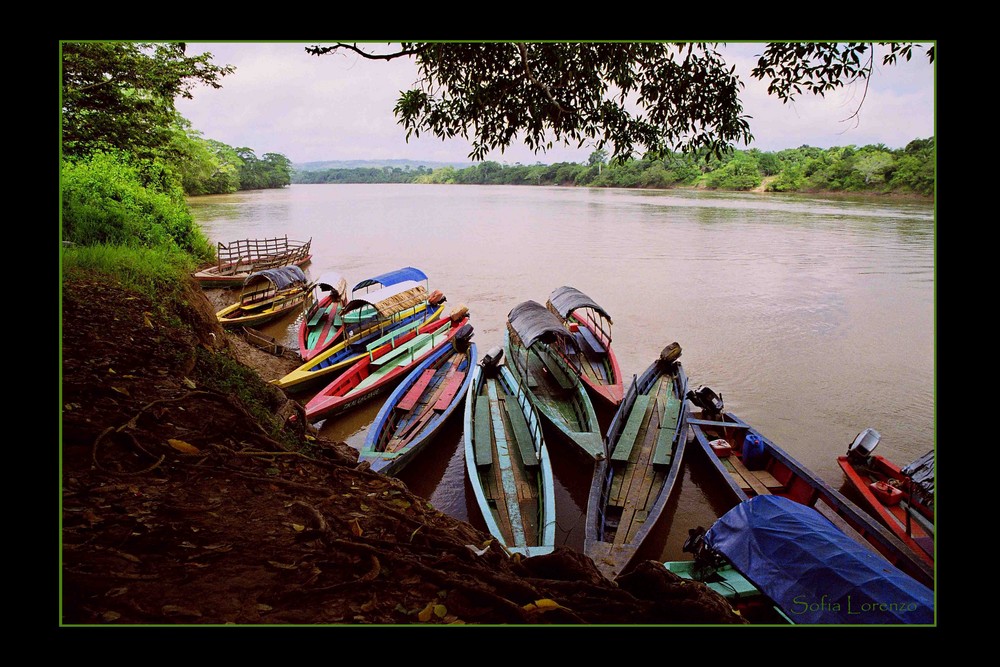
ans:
(193, 493)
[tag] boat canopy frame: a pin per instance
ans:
(565, 300)
(390, 278)
(274, 281)
(529, 322)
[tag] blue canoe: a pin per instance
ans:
(419, 407)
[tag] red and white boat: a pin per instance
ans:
(901, 498)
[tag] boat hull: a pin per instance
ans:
(557, 393)
(417, 408)
(379, 369)
(891, 508)
(340, 356)
(514, 490)
(772, 471)
(646, 443)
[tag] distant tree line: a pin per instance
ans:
(868, 169)
(361, 175)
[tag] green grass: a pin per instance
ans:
(155, 272)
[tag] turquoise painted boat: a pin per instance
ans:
(537, 347)
(417, 409)
(646, 442)
(507, 460)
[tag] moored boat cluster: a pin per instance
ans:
(389, 336)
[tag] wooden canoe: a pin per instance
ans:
(748, 464)
(890, 495)
(397, 316)
(507, 460)
(321, 324)
(535, 342)
(236, 260)
(646, 442)
(590, 326)
(385, 364)
(417, 409)
(265, 296)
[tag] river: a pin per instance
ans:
(814, 317)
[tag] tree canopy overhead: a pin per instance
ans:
(648, 98)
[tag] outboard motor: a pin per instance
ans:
(703, 555)
(670, 353)
(463, 336)
(707, 400)
(863, 445)
(491, 360)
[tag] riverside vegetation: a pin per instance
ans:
(872, 169)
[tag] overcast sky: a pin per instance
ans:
(339, 107)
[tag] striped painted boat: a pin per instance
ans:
(322, 325)
(266, 295)
(417, 409)
(384, 364)
(401, 308)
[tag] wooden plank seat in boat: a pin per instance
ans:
(413, 394)
(408, 349)
(521, 434)
(749, 476)
(627, 439)
(592, 344)
(663, 454)
(451, 386)
(319, 314)
(556, 371)
(484, 432)
(392, 335)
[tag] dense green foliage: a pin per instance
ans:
(645, 99)
(114, 199)
(872, 169)
(120, 95)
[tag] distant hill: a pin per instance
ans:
(377, 164)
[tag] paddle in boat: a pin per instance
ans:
(901, 498)
(792, 557)
(749, 464)
(385, 363)
(590, 326)
(507, 461)
(537, 347)
(266, 295)
(400, 308)
(235, 261)
(417, 409)
(646, 443)
(321, 323)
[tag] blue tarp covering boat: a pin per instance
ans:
(813, 571)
